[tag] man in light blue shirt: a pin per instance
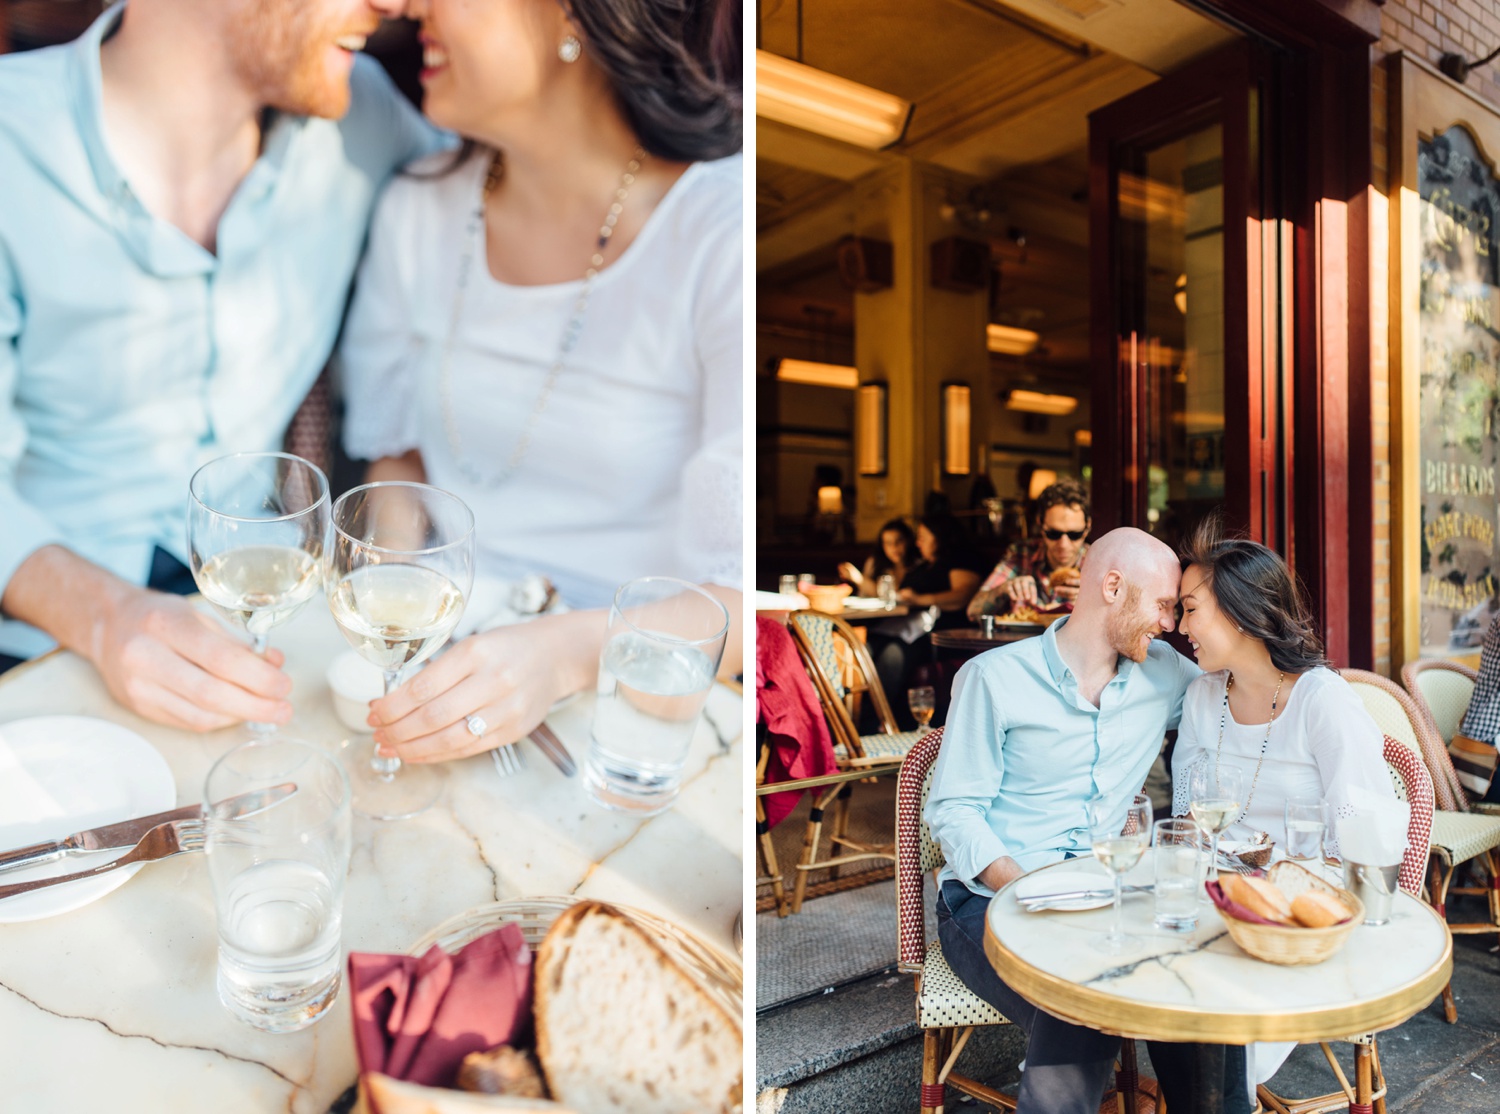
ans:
(184, 196)
(1037, 729)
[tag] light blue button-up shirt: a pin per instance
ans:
(1024, 752)
(129, 354)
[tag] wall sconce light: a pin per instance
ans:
(817, 101)
(815, 374)
(1179, 293)
(870, 429)
(956, 429)
(1035, 402)
(1007, 340)
(1041, 480)
(830, 500)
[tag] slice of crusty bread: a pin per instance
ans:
(392, 1096)
(622, 1029)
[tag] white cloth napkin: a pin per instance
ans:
(1376, 834)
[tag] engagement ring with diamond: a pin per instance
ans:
(477, 726)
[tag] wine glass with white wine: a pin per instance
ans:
(399, 573)
(923, 701)
(1215, 799)
(257, 528)
(1119, 843)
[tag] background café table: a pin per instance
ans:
(1199, 986)
(113, 1006)
(968, 641)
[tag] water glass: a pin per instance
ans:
(660, 655)
(885, 589)
(1180, 852)
(787, 586)
(278, 882)
(1306, 825)
(987, 625)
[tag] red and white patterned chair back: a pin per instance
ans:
(1442, 689)
(1399, 718)
(916, 851)
(1414, 786)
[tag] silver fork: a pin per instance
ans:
(176, 837)
(508, 760)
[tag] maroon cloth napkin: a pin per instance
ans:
(1234, 908)
(417, 1017)
(788, 705)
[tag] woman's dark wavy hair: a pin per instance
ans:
(675, 68)
(1257, 592)
(882, 562)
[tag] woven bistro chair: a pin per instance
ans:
(828, 646)
(765, 847)
(1442, 690)
(1413, 784)
(1459, 835)
(947, 1010)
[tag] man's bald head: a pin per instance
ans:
(1128, 590)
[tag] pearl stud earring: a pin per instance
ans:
(570, 49)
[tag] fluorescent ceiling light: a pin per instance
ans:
(816, 101)
(1035, 402)
(1010, 341)
(818, 375)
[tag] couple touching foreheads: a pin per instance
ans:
(546, 322)
(1039, 728)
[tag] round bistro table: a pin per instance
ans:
(1200, 986)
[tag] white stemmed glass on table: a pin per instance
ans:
(923, 701)
(401, 567)
(1119, 845)
(1215, 799)
(257, 528)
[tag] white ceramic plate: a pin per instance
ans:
(63, 774)
(1066, 881)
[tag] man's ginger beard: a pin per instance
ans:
(277, 49)
(1127, 626)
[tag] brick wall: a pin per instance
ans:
(1426, 31)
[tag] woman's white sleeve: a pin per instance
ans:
(1189, 748)
(379, 353)
(710, 531)
(1348, 749)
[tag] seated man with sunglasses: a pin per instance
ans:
(1041, 573)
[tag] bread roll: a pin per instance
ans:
(1316, 909)
(1261, 897)
(621, 1029)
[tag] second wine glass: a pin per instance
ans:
(399, 573)
(257, 527)
(1119, 843)
(923, 701)
(1216, 799)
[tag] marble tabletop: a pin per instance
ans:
(1201, 986)
(113, 1006)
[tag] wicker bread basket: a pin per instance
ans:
(714, 974)
(1295, 947)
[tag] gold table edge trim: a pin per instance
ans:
(1110, 1013)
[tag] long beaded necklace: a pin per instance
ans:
(570, 334)
(1264, 743)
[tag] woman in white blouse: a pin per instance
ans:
(548, 324)
(1268, 705)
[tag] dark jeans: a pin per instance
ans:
(1068, 1066)
(168, 574)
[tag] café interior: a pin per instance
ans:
(995, 253)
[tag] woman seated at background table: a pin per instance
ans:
(945, 578)
(1267, 704)
(894, 555)
(1028, 572)
(549, 326)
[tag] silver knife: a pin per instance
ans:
(1078, 895)
(548, 743)
(125, 833)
